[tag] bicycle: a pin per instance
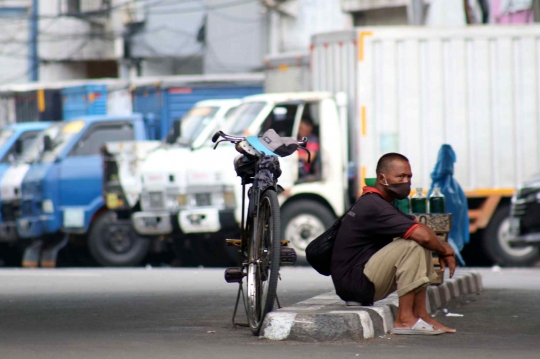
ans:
(261, 250)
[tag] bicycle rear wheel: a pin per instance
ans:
(263, 267)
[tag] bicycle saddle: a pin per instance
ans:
(273, 143)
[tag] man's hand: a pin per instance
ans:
(450, 261)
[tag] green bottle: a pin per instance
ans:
(437, 202)
(404, 205)
(419, 202)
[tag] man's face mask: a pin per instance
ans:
(399, 190)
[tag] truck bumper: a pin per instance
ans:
(520, 240)
(206, 220)
(152, 223)
(531, 239)
(32, 227)
(8, 232)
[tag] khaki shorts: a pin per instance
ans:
(402, 265)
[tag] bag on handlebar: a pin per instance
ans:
(319, 251)
(282, 146)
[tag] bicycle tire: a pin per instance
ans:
(263, 267)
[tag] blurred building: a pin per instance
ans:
(14, 36)
(78, 39)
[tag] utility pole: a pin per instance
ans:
(416, 12)
(536, 10)
(33, 57)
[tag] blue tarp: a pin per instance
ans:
(456, 202)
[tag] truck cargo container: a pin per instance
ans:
(96, 97)
(287, 72)
(166, 99)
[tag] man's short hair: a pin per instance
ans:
(384, 162)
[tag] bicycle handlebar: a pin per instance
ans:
(235, 139)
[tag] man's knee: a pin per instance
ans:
(416, 248)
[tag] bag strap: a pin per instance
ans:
(338, 221)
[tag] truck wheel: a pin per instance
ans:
(302, 222)
(114, 244)
(496, 246)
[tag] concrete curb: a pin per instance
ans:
(327, 318)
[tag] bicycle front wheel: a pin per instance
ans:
(263, 267)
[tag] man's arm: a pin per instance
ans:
(424, 236)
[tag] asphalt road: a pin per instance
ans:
(185, 313)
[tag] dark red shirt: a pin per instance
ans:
(370, 225)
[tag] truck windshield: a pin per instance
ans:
(5, 135)
(66, 133)
(194, 122)
(32, 153)
(243, 116)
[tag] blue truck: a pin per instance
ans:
(62, 199)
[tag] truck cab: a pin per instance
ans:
(310, 201)
(164, 172)
(15, 139)
(523, 236)
(11, 181)
(62, 193)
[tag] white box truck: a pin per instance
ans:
(413, 89)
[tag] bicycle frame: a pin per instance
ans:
(252, 214)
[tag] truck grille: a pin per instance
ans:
(518, 208)
(8, 213)
(203, 199)
(155, 199)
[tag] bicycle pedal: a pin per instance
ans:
(284, 242)
(287, 257)
(234, 242)
(234, 275)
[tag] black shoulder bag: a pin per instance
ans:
(319, 251)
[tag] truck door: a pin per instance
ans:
(81, 172)
(308, 126)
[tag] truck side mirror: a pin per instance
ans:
(175, 132)
(47, 143)
(18, 147)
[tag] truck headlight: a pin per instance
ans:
(47, 206)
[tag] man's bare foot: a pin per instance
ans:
(438, 326)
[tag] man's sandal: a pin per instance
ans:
(419, 328)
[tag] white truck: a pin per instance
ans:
(407, 90)
(208, 210)
(134, 171)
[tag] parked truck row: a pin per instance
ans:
(52, 195)
(374, 90)
(371, 91)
